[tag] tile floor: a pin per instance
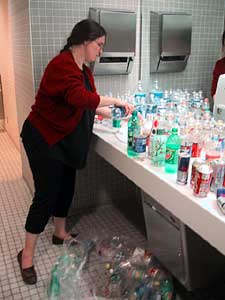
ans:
(15, 199)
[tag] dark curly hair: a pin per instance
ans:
(85, 30)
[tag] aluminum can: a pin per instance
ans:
(196, 150)
(196, 163)
(183, 165)
(218, 166)
(202, 180)
(220, 199)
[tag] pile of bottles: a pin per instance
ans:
(170, 127)
(110, 268)
(135, 272)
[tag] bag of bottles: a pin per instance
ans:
(110, 268)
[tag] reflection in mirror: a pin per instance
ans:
(207, 25)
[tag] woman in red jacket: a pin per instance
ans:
(219, 68)
(56, 135)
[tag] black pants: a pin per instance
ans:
(54, 188)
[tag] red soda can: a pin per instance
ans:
(196, 150)
(196, 163)
(202, 180)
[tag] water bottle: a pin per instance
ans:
(132, 130)
(172, 148)
(140, 99)
(205, 106)
(117, 114)
(139, 95)
(156, 94)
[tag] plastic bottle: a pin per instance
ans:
(133, 128)
(117, 114)
(139, 95)
(54, 287)
(205, 106)
(161, 284)
(158, 148)
(156, 94)
(172, 148)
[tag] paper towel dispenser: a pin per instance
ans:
(170, 41)
(119, 49)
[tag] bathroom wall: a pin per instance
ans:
(207, 28)
(7, 72)
(23, 71)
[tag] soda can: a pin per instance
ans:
(196, 163)
(196, 149)
(218, 166)
(183, 165)
(202, 180)
(220, 199)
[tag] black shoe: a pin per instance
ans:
(58, 241)
(29, 275)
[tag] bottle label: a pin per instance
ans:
(158, 150)
(139, 144)
(130, 138)
(171, 156)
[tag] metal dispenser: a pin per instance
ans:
(170, 41)
(119, 49)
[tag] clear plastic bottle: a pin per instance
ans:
(117, 114)
(54, 286)
(205, 106)
(161, 284)
(172, 148)
(133, 128)
(139, 95)
(156, 94)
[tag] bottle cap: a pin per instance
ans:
(174, 130)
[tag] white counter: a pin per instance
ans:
(201, 214)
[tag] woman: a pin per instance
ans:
(219, 68)
(56, 135)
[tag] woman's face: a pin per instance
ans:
(93, 49)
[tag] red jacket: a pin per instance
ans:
(62, 98)
(219, 69)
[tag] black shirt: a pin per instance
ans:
(72, 149)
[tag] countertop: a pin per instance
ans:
(201, 214)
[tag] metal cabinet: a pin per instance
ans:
(192, 260)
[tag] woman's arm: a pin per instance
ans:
(105, 112)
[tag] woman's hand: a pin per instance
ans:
(128, 107)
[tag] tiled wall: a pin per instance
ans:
(207, 27)
(51, 24)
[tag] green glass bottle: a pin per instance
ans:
(133, 127)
